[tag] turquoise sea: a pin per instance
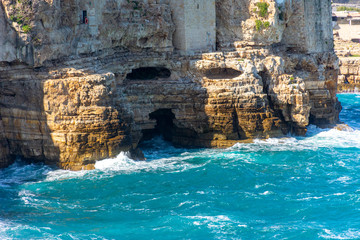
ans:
(289, 188)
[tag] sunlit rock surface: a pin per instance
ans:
(84, 80)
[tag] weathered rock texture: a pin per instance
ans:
(73, 93)
(349, 62)
(349, 78)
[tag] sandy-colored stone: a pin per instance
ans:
(70, 98)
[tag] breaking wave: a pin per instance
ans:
(279, 188)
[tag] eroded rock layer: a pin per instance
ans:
(349, 65)
(349, 78)
(73, 91)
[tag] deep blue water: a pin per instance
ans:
(290, 188)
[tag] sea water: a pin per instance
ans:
(280, 188)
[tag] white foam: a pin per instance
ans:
(339, 194)
(344, 180)
(26, 196)
(219, 224)
(264, 185)
(4, 227)
(7, 227)
(317, 138)
(309, 198)
(186, 203)
(122, 163)
(206, 219)
(243, 225)
(348, 234)
(266, 193)
(64, 175)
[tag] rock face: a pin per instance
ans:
(349, 78)
(81, 81)
(349, 60)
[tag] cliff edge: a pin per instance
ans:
(83, 80)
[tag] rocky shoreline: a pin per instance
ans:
(77, 98)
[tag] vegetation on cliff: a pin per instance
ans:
(259, 25)
(263, 9)
(21, 13)
(346, 8)
(263, 12)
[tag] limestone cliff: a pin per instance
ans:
(349, 78)
(349, 60)
(83, 80)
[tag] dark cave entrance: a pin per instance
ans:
(222, 73)
(164, 127)
(148, 73)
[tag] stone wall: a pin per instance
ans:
(317, 21)
(308, 28)
(195, 25)
(349, 60)
(348, 32)
(349, 76)
(178, 13)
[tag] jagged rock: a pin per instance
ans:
(343, 127)
(349, 74)
(72, 93)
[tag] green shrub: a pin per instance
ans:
(266, 24)
(19, 19)
(26, 28)
(258, 25)
(263, 9)
(21, 13)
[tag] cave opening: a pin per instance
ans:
(265, 78)
(319, 122)
(222, 73)
(164, 127)
(149, 73)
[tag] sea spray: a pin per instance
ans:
(280, 188)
